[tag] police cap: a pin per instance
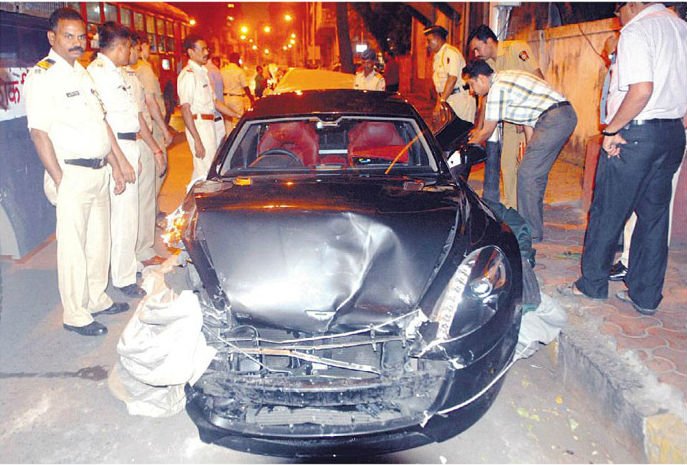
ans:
(368, 54)
(436, 29)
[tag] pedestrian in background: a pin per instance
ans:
(504, 145)
(391, 72)
(260, 82)
(643, 146)
(121, 111)
(368, 78)
(235, 89)
(522, 98)
(73, 141)
(151, 155)
(448, 83)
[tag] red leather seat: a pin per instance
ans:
(298, 137)
(376, 139)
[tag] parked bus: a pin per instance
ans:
(26, 217)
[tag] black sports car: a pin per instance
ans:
(361, 298)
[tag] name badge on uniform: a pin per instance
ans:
(205, 85)
(73, 94)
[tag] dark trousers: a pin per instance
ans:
(638, 181)
(392, 87)
(550, 134)
(492, 172)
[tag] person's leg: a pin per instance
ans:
(145, 240)
(627, 239)
(98, 244)
(649, 251)
(492, 167)
(509, 163)
(550, 134)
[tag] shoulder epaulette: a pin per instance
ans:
(45, 63)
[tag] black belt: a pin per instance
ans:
(233, 95)
(564, 103)
(127, 135)
(218, 118)
(95, 163)
(456, 90)
(651, 122)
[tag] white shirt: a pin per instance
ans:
(61, 100)
(234, 80)
(652, 48)
(194, 88)
(134, 82)
(448, 61)
(116, 94)
(373, 81)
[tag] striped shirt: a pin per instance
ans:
(519, 97)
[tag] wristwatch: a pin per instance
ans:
(607, 133)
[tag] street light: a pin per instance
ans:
(288, 18)
(242, 37)
(267, 29)
(244, 29)
(293, 35)
(192, 22)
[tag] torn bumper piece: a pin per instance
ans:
(324, 415)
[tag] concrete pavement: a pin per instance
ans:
(633, 367)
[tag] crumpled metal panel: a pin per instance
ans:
(301, 258)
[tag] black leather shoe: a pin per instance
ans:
(117, 307)
(132, 290)
(618, 272)
(625, 297)
(93, 329)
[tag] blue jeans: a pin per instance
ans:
(492, 172)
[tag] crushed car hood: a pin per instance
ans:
(315, 255)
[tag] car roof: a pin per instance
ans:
(351, 102)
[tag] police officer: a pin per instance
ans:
(153, 161)
(72, 138)
(502, 156)
(156, 107)
(198, 104)
(236, 87)
(122, 114)
(367, 78)
(448, 83)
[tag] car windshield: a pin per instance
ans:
(389, 145)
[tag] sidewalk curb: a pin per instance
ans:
(649, 416)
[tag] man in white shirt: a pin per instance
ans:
(235, 89)
(122, 115)
(367, 78)
(643, 146)
(448, 83)
(73, 141)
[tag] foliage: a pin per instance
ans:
(389, 23)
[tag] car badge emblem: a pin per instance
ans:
(320, 315)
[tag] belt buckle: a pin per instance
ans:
(98, 163)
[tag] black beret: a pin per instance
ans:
(436, 29)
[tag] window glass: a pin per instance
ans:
(150, 24)
(170, 28)
(160, 26)
(125, 15)
(161, 44)
(92, 31)
(110, 12)
(153, 43)
(75, 5)
(349, 144)
(138, 21)
(170, 44)
(93, 12)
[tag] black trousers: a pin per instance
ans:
(638, 181)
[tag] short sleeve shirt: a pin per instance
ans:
(652, 48)
(514, 54)
(61, 100)
(139, 94)
(373, 81)
(519, 97)
(116, 94)
(195, 89)
(234, 79)
(150, 83)
(448, 61)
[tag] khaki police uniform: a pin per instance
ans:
(373, 81)
(195, 89)
(234, 80)
(147, 212)
(151, 86)
(448, 61)
(512, 54)
(61, 100)
(121, 111)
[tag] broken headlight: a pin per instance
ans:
(178, 222)
(475, 292)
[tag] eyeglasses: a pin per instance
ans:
(618, 6)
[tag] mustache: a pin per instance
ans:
(76, 49)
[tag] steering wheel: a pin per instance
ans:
(277, 158)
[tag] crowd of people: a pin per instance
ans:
(101, 133)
